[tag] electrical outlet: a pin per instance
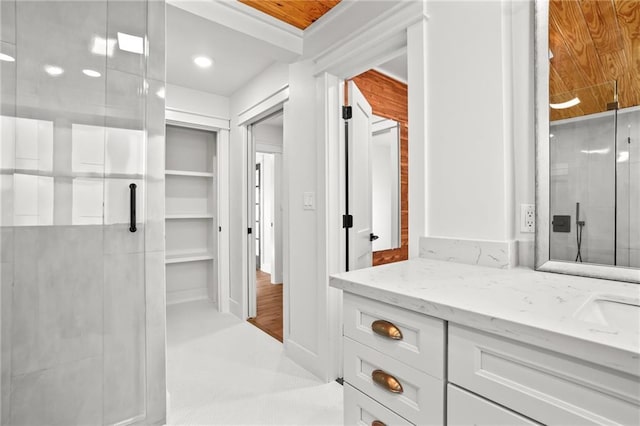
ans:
(527, 218)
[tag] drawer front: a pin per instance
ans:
(543, 385)
(361, 410)
(422, 399)
(464, 408)
(422, 344)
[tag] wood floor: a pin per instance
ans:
(269, 318)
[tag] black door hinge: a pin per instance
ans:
(347, 221)
(249, 231)
(346, 112)
(219, 228)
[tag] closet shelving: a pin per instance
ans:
(190, 223)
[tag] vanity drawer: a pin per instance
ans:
(422, 344)
(361, 410)
(546, 386)
(464, 408)
(422, 398)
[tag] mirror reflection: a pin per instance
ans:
(385, 179)
(594, 133)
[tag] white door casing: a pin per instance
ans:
(359, 179)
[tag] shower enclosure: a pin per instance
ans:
(595, 178)
(82, 212)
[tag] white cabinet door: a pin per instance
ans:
(464, 408)
(361, 410)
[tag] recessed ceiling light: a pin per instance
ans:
(6, 58)
(102, 46)
(203, 61)
(564, 105)
(91, 73)
(53, 70)
(131, 43)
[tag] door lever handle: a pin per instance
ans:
(373, 237)
(132, 207)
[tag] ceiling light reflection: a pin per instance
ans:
(6, 58)
(91, 73)
(563, 105)
(53, 70)
(203, 61)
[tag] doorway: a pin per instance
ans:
(266, 278)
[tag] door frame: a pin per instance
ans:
(221, 127)
(251, 167)
(262, 109)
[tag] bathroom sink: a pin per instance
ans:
(621, 313)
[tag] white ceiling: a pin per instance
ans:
(396, 68)
(238, 57)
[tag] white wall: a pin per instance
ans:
(195, 101)
(469, 162)
(262, 87)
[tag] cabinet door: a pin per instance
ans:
(361, 410)
(464, 408)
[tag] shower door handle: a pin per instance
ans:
(132, 207)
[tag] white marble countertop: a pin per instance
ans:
(533, 307)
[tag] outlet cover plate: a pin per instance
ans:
(527, 218)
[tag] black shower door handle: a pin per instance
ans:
(132, 207)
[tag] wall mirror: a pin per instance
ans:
(588, 138)
(385, 182)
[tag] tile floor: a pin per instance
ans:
(222, 371)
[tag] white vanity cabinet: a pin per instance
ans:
(543, 385)
(394, 364)
(404, 367)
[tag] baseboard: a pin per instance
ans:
(190, 295)
(495, 254)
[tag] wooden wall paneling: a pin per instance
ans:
(389, 99)
(299, 13)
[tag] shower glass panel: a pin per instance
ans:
(593, 195)
(74, 138)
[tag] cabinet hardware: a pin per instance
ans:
(378, 423)
(387, 381)
(386, 329)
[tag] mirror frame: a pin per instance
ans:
(542, 245)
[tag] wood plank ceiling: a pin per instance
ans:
(594, 43)
(299, 13)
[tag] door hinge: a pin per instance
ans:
(346, 112)
(249, 231)
(347, 221)
(219, 228)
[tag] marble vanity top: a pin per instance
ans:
(533, 307)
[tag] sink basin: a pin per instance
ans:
(620, 313)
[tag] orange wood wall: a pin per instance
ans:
(389, 99)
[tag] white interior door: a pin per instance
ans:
(359, 179)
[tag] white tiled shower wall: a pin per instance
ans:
(583, 169)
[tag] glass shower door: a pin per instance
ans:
(73, 150)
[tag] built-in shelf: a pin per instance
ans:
(187, 173)
(188, 216)
(190, 203)
(189, 257)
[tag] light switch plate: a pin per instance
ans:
(309, 202)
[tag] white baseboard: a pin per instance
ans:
(187, 296)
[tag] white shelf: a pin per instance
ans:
(188, 173)
(187, 257)
(188, 216)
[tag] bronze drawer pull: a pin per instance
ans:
(386, 329)
(377, 423)
(387, 381)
